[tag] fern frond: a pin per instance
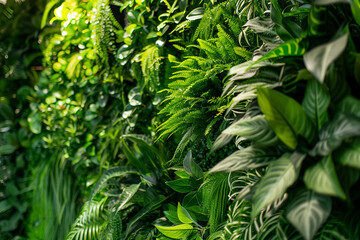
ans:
(90, 222)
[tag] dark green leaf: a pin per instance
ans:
(322, 178)
(126, 195)
(316, 102)
(349, 105)
(329, 2)
(308, 212)
(285, 116)
(7, 149)
(349, 154)
(182, 185)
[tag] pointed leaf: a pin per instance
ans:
(182, 185)
(177, 232)
(191, 167)
(308, 212)
(285, 116)
(255, 129)
(184, 215)
(331, 136)
(280, 175)
(322, 178)
(349, 154)
(127, 194)
(318, 59)
(248, 158)
(328, 2)
(316, 102)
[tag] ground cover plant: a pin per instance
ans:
(179, 119)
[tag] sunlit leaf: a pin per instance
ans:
(177, 232)
(285, 116)
(35, 122)
(183, 215)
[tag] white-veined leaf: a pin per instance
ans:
(248, 158)
(322, 178)
(280, 175)
(127, 193)
(308, 212)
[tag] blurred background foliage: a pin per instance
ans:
(135, 119)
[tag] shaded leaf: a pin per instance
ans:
(126, 195)
(349, 105)
(308, 212)
(182, 185)
(331, 136)
(191, 167)
(35, 122)
(329, 2)
(349, 154)
(322, 178)
(7, 149)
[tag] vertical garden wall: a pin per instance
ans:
(179, 119)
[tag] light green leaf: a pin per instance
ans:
(285, 116)
(349, 154)
(280, 175)
(184, 215)
(308, 212)
(322, 178)
(316, 102)
(318, 59)
(355, 9)
(35, 122)
(191, 167)
(127, 194)
(195, 14)
(248, 158)
(177, 232)
(255, 129)
(7, 149)
(331, 136)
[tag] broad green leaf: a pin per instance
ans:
(280, 175)
(184, 215)
(308, 212)
(349, 105)
(343, 126)
(191, 167)
(255, 129)
(177, 232)
(285, 116)
(349, 154)
(171, 214)
(318, 59)
(7, 149)
(292, 47)
(322, 178)
(108, 174)
(35, 122)
(316, 101)
(6, 112)
(127, 194)
(248, 158)
(182, 185)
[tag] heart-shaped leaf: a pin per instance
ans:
(308, 212)
(322, 178)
